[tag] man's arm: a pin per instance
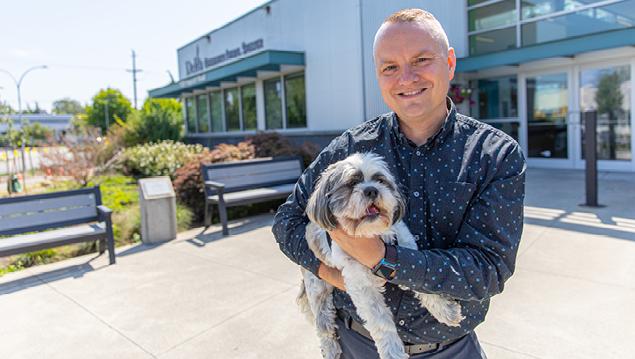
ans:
(484, 254)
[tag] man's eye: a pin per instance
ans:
(422, 59)
(389, 68)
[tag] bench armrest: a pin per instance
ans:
(216, 185)
(104, 213)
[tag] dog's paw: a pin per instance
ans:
(331, 349)
(447, 312)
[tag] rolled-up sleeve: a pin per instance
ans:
(290, 220)
(484, 252)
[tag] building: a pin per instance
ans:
(58, 123)
(530, 67)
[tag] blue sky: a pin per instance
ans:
(87, 44)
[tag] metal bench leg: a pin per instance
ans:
(222, 210)
(208, 214)
(111, 249)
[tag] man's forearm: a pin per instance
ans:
(332, 276)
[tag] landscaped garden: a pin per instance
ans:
(116, 152)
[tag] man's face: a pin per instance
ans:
(413, 70)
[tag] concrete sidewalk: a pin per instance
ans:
(204, 296)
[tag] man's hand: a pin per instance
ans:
(366, 250)
(332, 276)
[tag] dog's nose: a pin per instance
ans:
(371, 192)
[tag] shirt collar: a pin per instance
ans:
(439, 136)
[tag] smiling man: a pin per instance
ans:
(464, 184)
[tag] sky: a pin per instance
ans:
(87, 45)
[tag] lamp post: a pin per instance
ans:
(18, 84)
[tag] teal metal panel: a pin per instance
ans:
(567, 47)
(267, 60)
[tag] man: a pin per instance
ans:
(464, 184)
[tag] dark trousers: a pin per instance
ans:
(357, 346)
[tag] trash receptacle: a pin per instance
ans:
(158, 209)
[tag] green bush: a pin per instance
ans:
(157, 159)
(184, 218)
(158, 120)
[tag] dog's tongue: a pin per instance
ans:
(372, 210)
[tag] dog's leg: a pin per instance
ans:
(320, 299)
(446, 311)
(371, 307)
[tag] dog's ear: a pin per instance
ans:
(400, 208)
(318, 208)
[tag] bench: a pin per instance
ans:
(56, 219)
(230, 184)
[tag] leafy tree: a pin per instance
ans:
(158, 120)
(33, 111)
(609, 100)
(67, 106)
(6, 109)
(110, 102)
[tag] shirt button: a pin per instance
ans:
(401, 322)
(418, 153)
(416, 237)
(415, 193)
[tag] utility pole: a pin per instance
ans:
(134, 77)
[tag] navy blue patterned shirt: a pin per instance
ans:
(464, 190)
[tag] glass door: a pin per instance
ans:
(607, 91)
(547, 111)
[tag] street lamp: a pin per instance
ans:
(18, 84)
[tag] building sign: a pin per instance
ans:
(197, 64)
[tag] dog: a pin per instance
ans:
(360, 195)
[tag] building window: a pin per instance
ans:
(190, 114)
(592, 20)
(248, 101)
(232, 109)
(497, 15)
(216, 105)
(497, 98)
(295, 100)
(497, 25)
(202, 113)
(273, 103)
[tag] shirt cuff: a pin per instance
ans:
(411, 267)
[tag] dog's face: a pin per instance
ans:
(359, 194)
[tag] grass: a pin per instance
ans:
(120, 194)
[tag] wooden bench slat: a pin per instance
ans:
(53, 236)
(281, 190)
(261, 179)
(219, 174)
(43, 204)
(27, 220)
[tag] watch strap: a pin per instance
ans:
(387, 266)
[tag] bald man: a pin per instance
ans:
(464, 184)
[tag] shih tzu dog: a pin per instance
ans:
(360, 195)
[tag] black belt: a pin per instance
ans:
(409, 348)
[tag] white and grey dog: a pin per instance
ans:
(360, 195)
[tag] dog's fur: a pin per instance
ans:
(360, 195)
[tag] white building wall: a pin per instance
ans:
(452, 14)
(326, 31)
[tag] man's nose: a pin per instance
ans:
(408, 75)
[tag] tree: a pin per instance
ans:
(158, 120)
(67, 106)
(5, 108)
(107, 105)
(33, 111)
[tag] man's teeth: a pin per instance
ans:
(412, 92)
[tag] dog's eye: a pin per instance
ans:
(381, 180)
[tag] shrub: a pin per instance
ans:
(158, 120)
(272, 144)
(157, 159)
(188, 183)
(184, 217)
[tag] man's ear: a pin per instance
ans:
(451, 62)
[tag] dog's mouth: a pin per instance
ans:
(372, 212)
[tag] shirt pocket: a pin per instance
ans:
(447, 204)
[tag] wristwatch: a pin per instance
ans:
(387, 266)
